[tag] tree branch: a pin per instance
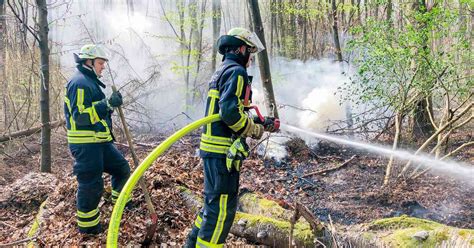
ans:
(171, 25)
(318, 172)
(17, 16)
(457, 149)
(428, 141)
(14, 243)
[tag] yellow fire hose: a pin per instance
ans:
(114, 225)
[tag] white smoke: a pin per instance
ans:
(326, 107)
(139, 42)
(304, 91)
(306, 94)
(273, 148)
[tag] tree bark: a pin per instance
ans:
(3, 57)
(304, 50)
(376, 10)
(281, 28)
(366, 11)
(342, 15)
(293, 41)
(335, 31)
(276, 27)
(272, 27)
(420, 124)
(44, 91)
(192, 7)
(359, 18)
(216, 28)
(389, 11)
(263, 61)
(197, 47)
(398, 124)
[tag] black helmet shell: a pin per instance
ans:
(226, 41)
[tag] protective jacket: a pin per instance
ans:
(88, 118)
(229, 92)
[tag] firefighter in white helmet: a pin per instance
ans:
(90, 138)
(223, 146)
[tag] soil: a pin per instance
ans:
(351, 195)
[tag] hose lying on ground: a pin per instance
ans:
(114, 225)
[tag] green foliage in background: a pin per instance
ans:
(428, 56)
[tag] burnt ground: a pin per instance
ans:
(350, 195)
(354, 194)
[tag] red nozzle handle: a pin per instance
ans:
(260, 116)
(276, 124)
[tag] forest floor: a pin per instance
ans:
(350, 195)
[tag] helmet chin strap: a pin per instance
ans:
(93, 69)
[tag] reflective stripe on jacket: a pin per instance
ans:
(88, 119)
(225, 96)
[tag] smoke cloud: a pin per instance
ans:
(304, 91)
(142, 40)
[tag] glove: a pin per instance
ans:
(269, 124)
(253, 130)
(115, 100)
(238, 151)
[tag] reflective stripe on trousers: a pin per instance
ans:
(91, 160)
(213, 223)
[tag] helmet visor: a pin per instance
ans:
(255, 41)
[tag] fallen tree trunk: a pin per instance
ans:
(260, 227)
(29, 131)
(253, 204)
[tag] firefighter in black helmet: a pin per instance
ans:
(223, 146)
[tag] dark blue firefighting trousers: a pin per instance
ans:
(91, 160)
(213, 222)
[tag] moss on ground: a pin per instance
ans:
(399, 231)
(301, 231)
(36, 225)
(403, 221)
(254, 204)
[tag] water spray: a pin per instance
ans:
(455, 169)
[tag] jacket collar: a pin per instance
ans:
(86, 70)
(234, 57)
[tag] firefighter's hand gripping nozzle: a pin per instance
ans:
(270, 124)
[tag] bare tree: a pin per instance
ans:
(389, 11)
(304, 52)
(2, 60)
(44, 97)
(263, 61)
(216, 28)
(420, 122)
(40, 34)
(335, 31)
(197, 48)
